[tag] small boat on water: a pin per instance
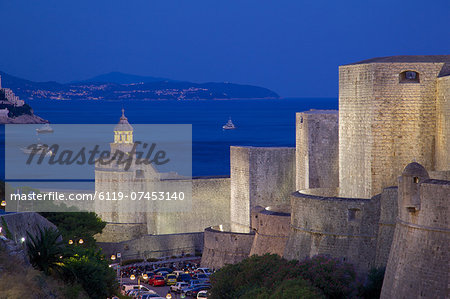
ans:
(229, 125)
(44, 129)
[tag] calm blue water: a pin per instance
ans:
(259, 122)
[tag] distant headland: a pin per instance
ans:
(14, 110)
(120, 86)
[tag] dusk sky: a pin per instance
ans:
(293, 47)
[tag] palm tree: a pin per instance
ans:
(45, 250)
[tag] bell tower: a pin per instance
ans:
(123, 135)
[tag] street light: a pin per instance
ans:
(113, 257)
(132, 277)
(70, 242)
(80, 241)
(145, 276)
(3, 203)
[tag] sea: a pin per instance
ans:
(259, 123)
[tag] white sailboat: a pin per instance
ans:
(229, 125)
(44, 129)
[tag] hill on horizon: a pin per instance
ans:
(121, 86)
(122, 78)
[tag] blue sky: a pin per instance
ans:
(291, 46)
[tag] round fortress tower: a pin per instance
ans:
(322, 223)
(418, 265)
(391, 111)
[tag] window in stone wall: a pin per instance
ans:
(409, 77)
(353, 214)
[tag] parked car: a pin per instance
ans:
(190, 288)
(195, 282)
(171, 279)
(163, 269)
(158, 280)
(184, 277)
(203, 270)
(194, 291)
(202, 295)
(136, 293)
(178, 272)
(201, 276)
(150, 275)
(178, 286)
(128, 287)
(162, 273)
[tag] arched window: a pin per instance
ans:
(409, 77)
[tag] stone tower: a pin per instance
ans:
(317, 151)
(124, 220)
(419, 260)
(392, 110)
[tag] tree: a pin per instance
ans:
(77, 225)
(46, 250)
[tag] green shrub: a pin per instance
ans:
(335, 278)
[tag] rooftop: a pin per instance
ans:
(412, 59)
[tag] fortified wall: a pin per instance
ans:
(317, 150)
(210, 206)
(392, 110)
(443, 124)
(260, 176)
(418, 265)
(344, 228)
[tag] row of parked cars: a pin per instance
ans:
(194, 284)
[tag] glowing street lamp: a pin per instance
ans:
(70, 242)
(80, 241)
(113, 257)
(145, 276)
(132, 277)
(3, 203)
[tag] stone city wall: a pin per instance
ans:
(384, 124)
(386, 224)
(317, 149)
(155, 246)
(224, 247)
(210, 207)
(443, 124)
(344, 228)
(271, 231)
(419, 259)
(260, 176)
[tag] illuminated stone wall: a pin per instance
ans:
(225, 247)
(210, 207)
(344, 228)
(419, 259)
(260, 176)
(317, 149)
(271, 228)
(384, 124)
(443, 124)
